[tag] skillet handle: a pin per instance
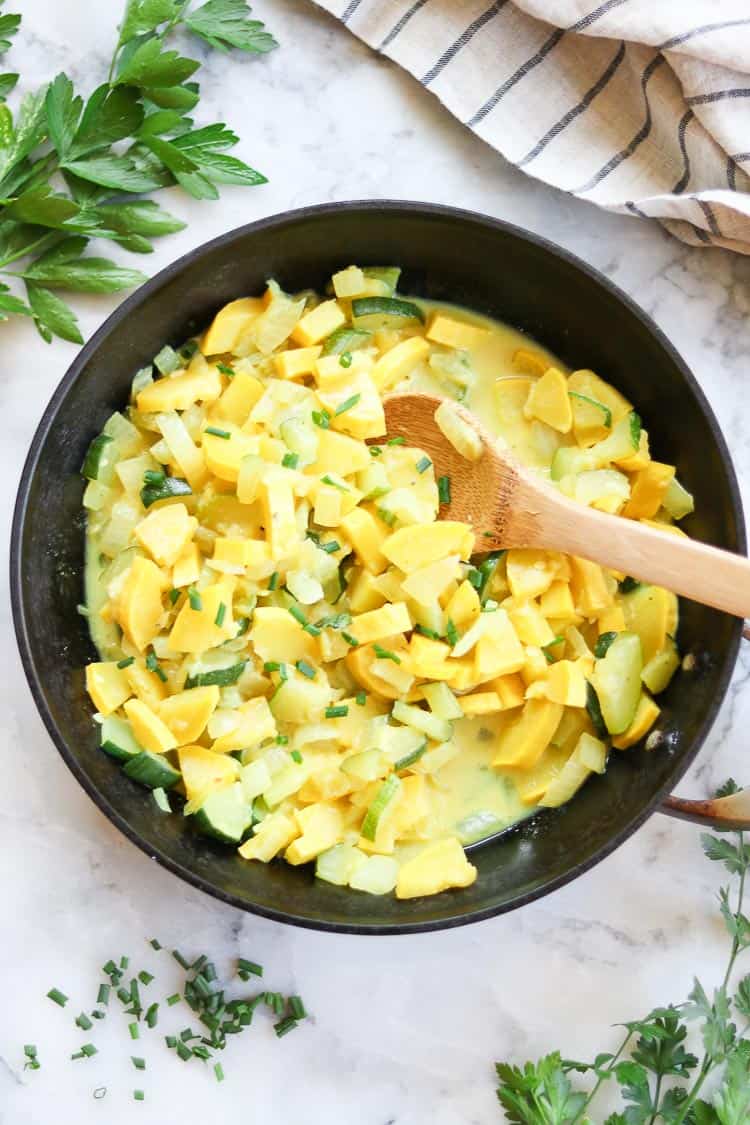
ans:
(722, 813)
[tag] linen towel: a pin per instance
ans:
(639, 106)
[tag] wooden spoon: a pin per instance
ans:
(509, 506)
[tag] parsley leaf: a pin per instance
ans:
(540, 1094)
(53, 317)
(225, 24)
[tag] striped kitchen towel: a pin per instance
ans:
(640, 106)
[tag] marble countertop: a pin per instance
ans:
(404, 1030)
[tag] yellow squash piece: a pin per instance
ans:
(480, 703)
(146, 684)
(272, 835)
(415, 546)
(187, 712)
(238, 399)
(277, 507)
(439, 866)
(454, 333)
(148, 728)
(549, 401)
(530, 624)
(339, 453)
(565, 683)
(652, 613)
(321, 826)
(525, 740)
(277, 636)
(178, 392)
(187, 568)
(229, 324)
(645, 716)
(224, 455)
(320, 322)
(530, 572)
(380, 623)
(556, 602)
(107, 685)
(166, 532)
(529, 362)
(195, 630)
(138, 606)
(354, 405)
(589, 587)
(647, 491)
(510, 689)
(463, 607)
(366, 534)
(297, 362)
(255, 724)
(399, 362)
(203, 771)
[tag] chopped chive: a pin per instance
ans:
(139, 1096)
(282, 739)
(300, 618)
(345, 359)
(184, 1052)
(251, 967)
(220, 615)
(328, 479)
(451, 633)
(331, 547)
(83, 610)
(386, 654)
(297, 1008)
(109, 969)
(97, 1015)
(152, 1015)
(271, 666)
(102, 996)
(444, 489)
(171, 1041)
(350, 640)
(135, 1031)
(138, 1063)
(226, 370)
(153, 666)
(321, 418)
(475, 577)
(273, 581)
(196, 601)
(225, 434)
(396, 441)
(173, 595)
(360, 698)
(296, 757)
(84, 1022)
(425, 632)
(201, 1052)
(210, 971)
(305, 668)
(423, 464)
(180, 960)
(155, 944)
(30, 1050)
(348, 404)
(123, 995)
(375, 450)
(337, 712)
(284, 1026)
(290, 460)
(58, 997)
(219, 1072)
(126, 662)
(154, 476)
(386, 516)
(124, 962)
(173, 999)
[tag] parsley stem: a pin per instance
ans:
(603, 1077)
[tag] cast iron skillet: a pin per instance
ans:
(445, 254)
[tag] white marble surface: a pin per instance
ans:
(404, 1030)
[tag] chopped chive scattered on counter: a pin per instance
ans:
(58, 997)
(252, 968)
(225, 369)
(219, 1072)
(138, 1063)
(221, 613)
(84, 1022)
(216, 432)
(196, 601)
(297, 1008)
(152, 1015)
(284, 1026)
(139, 1096)
(102, 996)
(290, 460)
(174, 999)
(296, 757)
(337, 712)
(155, 944)
(444, 489)
(396, 441)
(126, 662)
(135, 1031)
(305, 669)
(423, 464)
(32, 1061)
(180, 959)
(385, 654)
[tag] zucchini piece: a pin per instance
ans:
(477, 826)
(603, 415)
(338, 864)
(225, 815)
(659, 670)
(158, 486)
(411, 758)
(617, 681)
(385, 312)
(439, 730)
(603, 643)
(594, 710)
(118, 740)
(384, 798)
(98, 457)
(222, 677)
(151, 770)
(378, 875)
(300, 435)
(345, 339)
(677, 500)
(389, 275)
(162, 800)
(622, 442)
(167, 360)
(369, 765)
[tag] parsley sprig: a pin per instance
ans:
(73, 169)
(659, 1079)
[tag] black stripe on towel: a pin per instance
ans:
(350, 10)
(638, 139)
(707, 210)
(682, 183)
(399, 27)
(577, 110)
(636, 210)
(462, 40)
(718, 96)
(686, 35)
(539, 57)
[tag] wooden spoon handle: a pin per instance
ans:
(705, 574)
